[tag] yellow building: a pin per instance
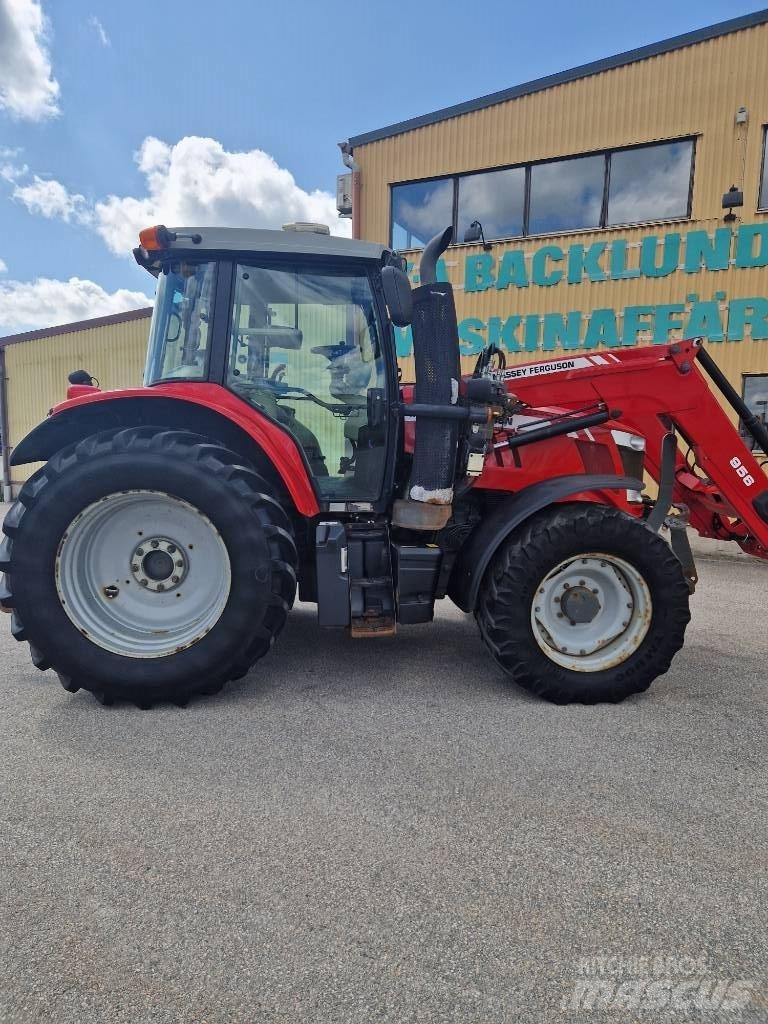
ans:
(623, 202)
(34, 368)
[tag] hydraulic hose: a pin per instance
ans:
(752, 424)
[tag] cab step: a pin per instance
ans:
(373, 627)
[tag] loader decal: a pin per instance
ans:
(541, 369)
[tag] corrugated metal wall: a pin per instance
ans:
(696, 90)
(691, 91)
(37, 371)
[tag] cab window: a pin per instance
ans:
(306, 350)
(181, 323)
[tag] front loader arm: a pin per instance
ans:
(662, 389)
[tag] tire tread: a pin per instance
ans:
(502, 614)
(269, 517)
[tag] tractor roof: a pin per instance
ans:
(296, 239)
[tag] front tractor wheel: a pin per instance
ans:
(584, 605)
(147, 565)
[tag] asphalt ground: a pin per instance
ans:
(389, 831)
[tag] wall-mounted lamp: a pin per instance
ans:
(732, 199)
(474, 233)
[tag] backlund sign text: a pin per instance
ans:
(712, 317)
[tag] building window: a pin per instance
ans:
(762, 202)
(650, 183)
(496, 199)
(621, 186)
(566, 195)
(419, 211)
(755, 394)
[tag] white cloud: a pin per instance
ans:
(196, 182)
(100, 31)
(10, 169)
(26, 305)
(28, 89)
(3, 267)
(12, 172)
(52, 200)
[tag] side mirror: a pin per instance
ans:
(397, 294)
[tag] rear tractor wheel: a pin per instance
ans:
(147, 565)
(584, 605)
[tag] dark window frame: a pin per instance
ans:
(746, 437)
(762, 200)
(564, 160)
(152, 368)
(527, 167)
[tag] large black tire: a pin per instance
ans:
(239, 503)
(511, 586)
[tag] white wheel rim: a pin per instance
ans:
(143, 574)
(591, 612)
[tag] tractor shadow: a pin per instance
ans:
(311, 679)
(307, 659)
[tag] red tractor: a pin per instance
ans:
(157, 553)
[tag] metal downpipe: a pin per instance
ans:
(5, 448)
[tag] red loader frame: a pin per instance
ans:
(658, 391)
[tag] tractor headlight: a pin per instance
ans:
(632, 452)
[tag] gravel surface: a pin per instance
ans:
(387, 831)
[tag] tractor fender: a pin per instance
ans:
(476, 555)
(203, 409)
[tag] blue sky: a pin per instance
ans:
(231, 112)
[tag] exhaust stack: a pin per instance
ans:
(436, 352)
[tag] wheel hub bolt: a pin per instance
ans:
(159, 564)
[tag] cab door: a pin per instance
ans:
(306, 348)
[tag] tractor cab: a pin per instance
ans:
(290, 322)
